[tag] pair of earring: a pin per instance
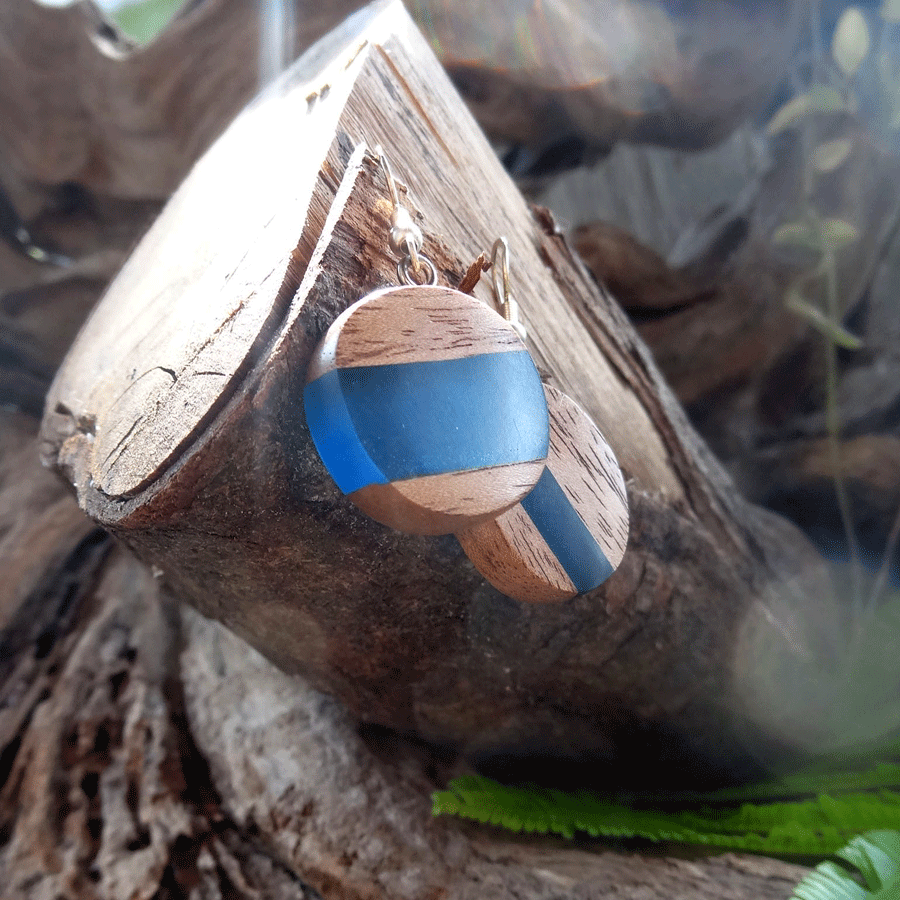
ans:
(427, 410)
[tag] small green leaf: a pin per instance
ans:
(818, 99)
(828, 156)
(890, 10)
(798, 234)
(834, 331)
(145, 19)
(837, 234)
(850, 45)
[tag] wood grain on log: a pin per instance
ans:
(186, 440)
(147, 753)
(135, 737)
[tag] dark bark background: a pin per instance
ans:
(146, 750)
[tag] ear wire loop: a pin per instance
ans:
(405, 238)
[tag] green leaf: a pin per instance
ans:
(837, 234)
(145, 19)
(850, 44)
(834, 331)
(890, 10)
(828, 156)
(811, 827)
(818, 99)
(798, 234)
(876, 855)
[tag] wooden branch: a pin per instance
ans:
(177, 418)
(148, 752)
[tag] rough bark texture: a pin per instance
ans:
(148, 752)
(145, 750)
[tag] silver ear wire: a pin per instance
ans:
(406, 237)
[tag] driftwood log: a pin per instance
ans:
(177, 418)
(145, 750)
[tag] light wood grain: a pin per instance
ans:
(498, 422)
(412, 324)
(514, 557)
(443, 504)
(511, 551)
(587, 469)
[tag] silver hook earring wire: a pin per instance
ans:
(503, 297)
(405, 238)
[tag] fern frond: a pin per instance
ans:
(816, 827)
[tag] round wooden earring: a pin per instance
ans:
(569, 534)
(427, 409)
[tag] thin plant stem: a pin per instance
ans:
(815, 28)
(833, 424)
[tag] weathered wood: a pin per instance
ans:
(512, 552)
(147, 752)
(130, 771)
(188, 442)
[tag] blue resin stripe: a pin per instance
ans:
(377, 424)
(566, 535)
(333, 434)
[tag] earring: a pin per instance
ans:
(569, 534)
(423, 403)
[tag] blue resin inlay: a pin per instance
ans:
(332, 431)
(566, 534)
(377, 424)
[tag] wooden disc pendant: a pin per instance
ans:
(427, 409)
(569, 534)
